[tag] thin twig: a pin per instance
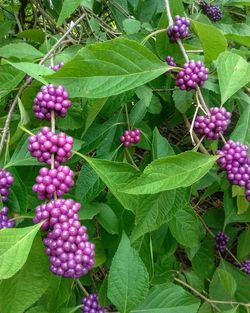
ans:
(156, 32)
(191, 130)
(82, 287)
(127, 116)
(131, 159)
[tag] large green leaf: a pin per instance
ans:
(154, 210)
(212, 40)
(20, 50)
(236, 2)
(160, 146)
(233, 73)
(109, 68)
(171, 172)
(9, 79)
(242, 130)
(23, 289)
(237, 32)
(128, 278)
(15, 245)
(168, 298)
(185, 227)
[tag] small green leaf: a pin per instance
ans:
(160, 146)
(109, 68)
(233, 73)
(15, 245)
(243, 247)
(171, 172)
(183, 100)
(168, 298)
(242, 130)
(107, 218)
(68, 7)
(131, 26)
(33, 34)
(20, 50)
(128, 278)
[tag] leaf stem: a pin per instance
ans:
(82, 288)
(131, 159)
(156, 32)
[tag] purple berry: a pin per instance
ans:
(213, 125)
(221, 241)
(46, 143)
(213, 11)
(6, 181)
(53, 181)
(193, 74)
(51, 98)
(246, 266)
(56, 67)
(130, 136)
(5, 222)
(180, 28)
(170, 61)
(91, 304)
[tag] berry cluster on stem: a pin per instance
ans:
(91, 304)
(5, 222)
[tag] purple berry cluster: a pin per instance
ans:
(6, 181)
(193, 74)
(235, 161)
(214, 124)
(221, 241)
(91, 304)
(213, 11)
(56, 67)
(53, 181)
(180, 28)
(46, 143)
(51, 98)
(130, 136)
(246, 267)
(4, 220)
(70, 253)
(170, 61)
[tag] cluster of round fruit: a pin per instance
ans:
(70, 253)
(6, 181)
(51, 98)
(213, 11)
(235, 161)
(130, 136)
(246, 267)
(46, 143)
(91, 304)
(193, 74)
(179, 29)
(170, 61)
(214, 124)
(221, 241)
(5, 222)
(53, 181)
(56, 67)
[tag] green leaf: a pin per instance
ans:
(15, 245)
(21, 155)
(128, 278)
(233, 73)
(242, 130)
(154, 210)
(20, 50)
(145, 94)
(9, 79)
(33, 70)
(237, 32)
(107, 218)
(131, 26)
(183, 100)
(160, 146)
(89, 211)
(91, 110)
(168, 298)
(68, 7)
(171, 172)
(236, 2)
(23, 289)
(33, 34)
(100, 256)
(115, 175)
(73, 120)
(212, 40)
(58, 293)
(185, 227)
(109, 68)
(243, 247)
